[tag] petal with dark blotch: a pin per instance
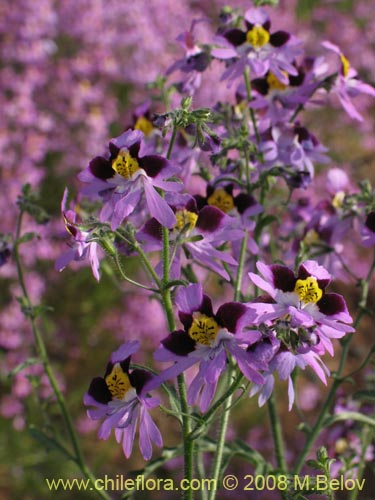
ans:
(138, 378)
(332, 303)
(153, 228)
(260, 85)
(312, 268)
(152, 164)
(228, 315)
(101, 168)
(283, 278)
(244, 201)
(279, 38)
(134, 149)
(370, 221)
(235, 37)
(99, 391)
(206, 306)
(210, 218)
(179, 343)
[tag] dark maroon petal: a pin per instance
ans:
(228, 315)
(114, 150)
(152, 164)
(370, 221)
(179, 343)
(302, 133)
(283, 278)
(138, 379)
(206, 307)
(332, 303)
(134, 149)
(154, 229)
(99, 391)
(260, 85)
(101, 168)
(279, 38)
(200, 201)
(108, 369)
(198, 62)
(297, 80)
(210, 218)
(267, 25)
(186, 319)
(264, 299)
(235, 36)
(125, 364)
(243, 201)
(191, 206)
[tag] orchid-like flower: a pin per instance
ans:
(82, 247)
(347, 85)
(120, 398)
(298, 307)
(207, 339)
(122, 177)
(258, 48)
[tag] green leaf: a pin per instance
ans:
(365, 395)
(22, 366)
(350, 415)
(48, 442)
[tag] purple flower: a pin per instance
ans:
(368, 230)
(120, 398)
(207, 338)
(299, 308)
(293, 149)
(259, 49)
(193, 64)
(121, 177)
(347, 84)
(199, 232)
(82, 247)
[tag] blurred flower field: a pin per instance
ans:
(74, 76)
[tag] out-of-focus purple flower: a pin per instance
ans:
(259, 49)
(207, 338)
(82, 248)
(6, 248)
(292, 149)
(122, 176)
(368, 230)
(193, 64)
(120, 398)
(347, 85)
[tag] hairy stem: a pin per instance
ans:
(42, 352)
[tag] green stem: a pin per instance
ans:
(168, 307)
(248, 94)
(42, 352)
(367, 436)
(216, 472)
(315, 431)
(277, 435)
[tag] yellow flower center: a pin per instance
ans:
(118, 382)
(203, 329)
(338, 199)
(124, 164)
(341, 445)
(308, 290)
(345, 65)
(257, 36)
(274, 83)
(185, 219)
(221, 199)
(311, 237)
(144, 125)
